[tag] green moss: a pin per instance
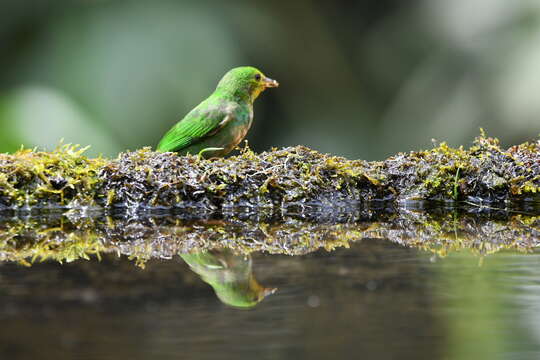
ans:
(486, 172)
(288, 201)
(63, 177)
(277, 179)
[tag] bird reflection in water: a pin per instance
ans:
(230, 275)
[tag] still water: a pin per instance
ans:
(376, 299)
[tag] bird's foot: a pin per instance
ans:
(200, 154)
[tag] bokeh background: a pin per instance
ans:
(363, 79)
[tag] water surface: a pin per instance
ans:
(376, 299)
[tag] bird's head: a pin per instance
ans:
(245, 82)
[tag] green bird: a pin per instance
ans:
(230, 275)
(215, 126)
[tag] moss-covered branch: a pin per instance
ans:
(271, 181)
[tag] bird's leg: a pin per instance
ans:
(200, 154)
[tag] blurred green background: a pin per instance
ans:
(363, 79)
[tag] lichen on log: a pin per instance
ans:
(270, 181)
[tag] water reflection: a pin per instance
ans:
(230, 275)
(418, 285)
(70, 237)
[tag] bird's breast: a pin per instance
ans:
(240, 132)
(239, 128)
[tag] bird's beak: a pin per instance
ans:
(270, 82)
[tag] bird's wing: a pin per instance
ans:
(198, 124)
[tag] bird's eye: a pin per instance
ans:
(257, 77)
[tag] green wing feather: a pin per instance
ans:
(205, 120)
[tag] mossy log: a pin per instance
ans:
(273, 181)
